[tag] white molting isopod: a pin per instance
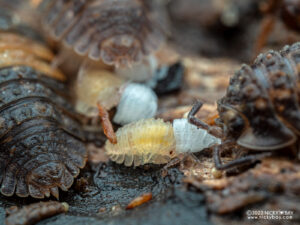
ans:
(155, 141)
(190, 138)
(137, 102)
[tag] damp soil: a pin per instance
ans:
(108, 188)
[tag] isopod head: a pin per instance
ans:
(190, 138)
(137, 102)
(232, 121)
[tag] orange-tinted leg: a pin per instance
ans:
(106, 124)
(211, 119)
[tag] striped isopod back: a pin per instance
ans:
(261, 107)
(41, 142)
(118, 32)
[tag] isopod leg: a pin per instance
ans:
(237, 162)
(216, 131)
(172, 163)
(180, 159)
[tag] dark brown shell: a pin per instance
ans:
(118, 32)
(41, 139)
(261, 107)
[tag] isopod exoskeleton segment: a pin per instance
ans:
(260, 111)
(261, 106)
(117, 32)
(41, 139)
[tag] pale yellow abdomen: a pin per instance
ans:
(145, 141)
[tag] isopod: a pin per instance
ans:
(155, 141)
(260, 111)
(41, 138)
(133, 101)
(117, 32)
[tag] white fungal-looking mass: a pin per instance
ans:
(190, 138)
(137, 102)
(155, 141)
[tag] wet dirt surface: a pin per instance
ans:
(273, 184)
(110, 187)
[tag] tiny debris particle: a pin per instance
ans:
(102, 210)
(116, 210)
(31, 214)
(139, 200)
(81, 185)
(216, 173)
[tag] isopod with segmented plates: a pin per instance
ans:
(117, 32)
(42, 146)
(260, 111)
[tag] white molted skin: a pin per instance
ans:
(137, 102)
(190, 138)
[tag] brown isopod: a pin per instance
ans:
(260, 111)
(117, 32)
(41, 137)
